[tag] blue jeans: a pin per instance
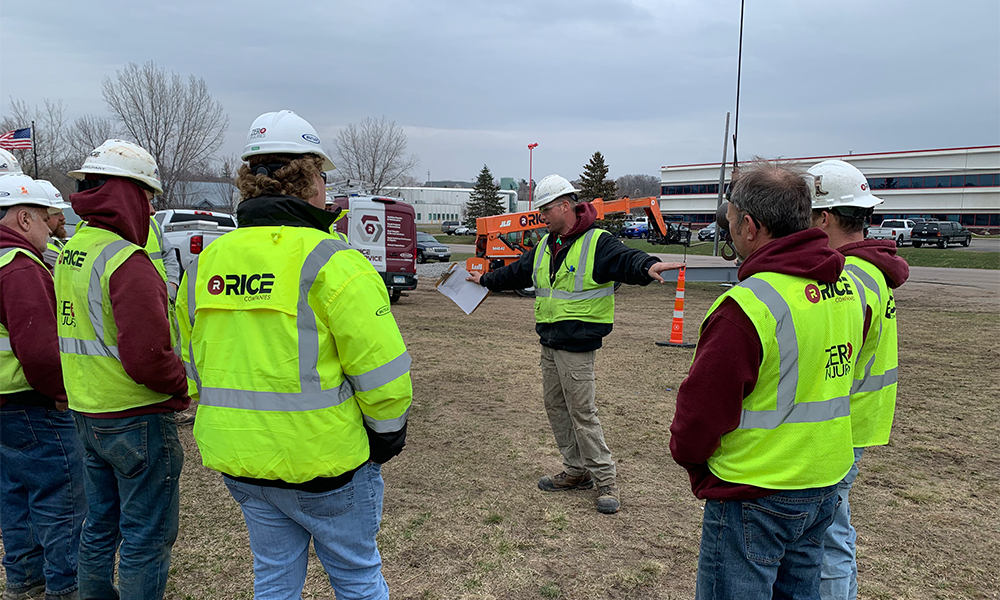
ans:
(342, 524)
(840, 565)
(770, 547)
(42, 502)
(132, 468)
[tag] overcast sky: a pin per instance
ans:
(647, 82)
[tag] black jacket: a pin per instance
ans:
(614, 261)
(268, 211)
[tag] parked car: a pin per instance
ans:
(898, 230)
(463, 230)
(708, 233)
(449, 227)
(428, 248)
(636, 230)
(941, 233)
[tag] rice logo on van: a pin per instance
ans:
(370, 229)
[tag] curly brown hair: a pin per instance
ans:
(296, 178)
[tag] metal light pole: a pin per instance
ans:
(531, 148)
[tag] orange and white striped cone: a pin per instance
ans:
(677, 326)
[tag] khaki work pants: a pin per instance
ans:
(568, 389)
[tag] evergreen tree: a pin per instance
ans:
(594, 182)
(484, 200)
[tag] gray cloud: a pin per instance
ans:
(645, 82)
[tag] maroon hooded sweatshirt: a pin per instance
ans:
(138, 297)
(727, 361)
(882, 254)
(28, 311)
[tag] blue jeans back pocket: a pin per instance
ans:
(327, 504)
(124, 448)
(17, 431)
(768, 529)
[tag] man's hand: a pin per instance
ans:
(474, 277)
(655, 270)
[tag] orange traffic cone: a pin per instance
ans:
(677, 327)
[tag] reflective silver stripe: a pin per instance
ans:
(564, 295)
(788, 355)
(156, 255)
(874, 383)
(804, 412)
(190, 370)
(379, 376)
(306, 319)
(388, 425)
(7, 250)
(94, 294)
(87, 348)
(5, 345)
(581, 269)
(866, 279)
(192, 275)
(864, 315)
(678, 314)
(540, 250)
(276, 401)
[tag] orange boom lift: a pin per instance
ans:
(502, 239)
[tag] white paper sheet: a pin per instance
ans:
(467, 295)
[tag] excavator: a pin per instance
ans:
(502, 239)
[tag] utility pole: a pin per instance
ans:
(722, 184)
(531, 148)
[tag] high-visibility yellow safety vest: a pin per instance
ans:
(290, 339)
(154, 247)
(12, 379)
(795, 430)
(873, 397)
(573, 295)
(95, 380)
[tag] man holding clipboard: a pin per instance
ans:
(573, 270)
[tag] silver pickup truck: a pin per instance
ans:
(892, 229)
(190, 231)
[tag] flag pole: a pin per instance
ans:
(34, 148)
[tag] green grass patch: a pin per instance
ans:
(935, 257)
(917, 257)
(444, 238)
(550, 590)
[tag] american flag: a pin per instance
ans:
(17, 139)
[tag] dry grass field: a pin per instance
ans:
(464, 519)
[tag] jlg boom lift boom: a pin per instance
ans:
(502, 239)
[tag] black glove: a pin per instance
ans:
(383, 446)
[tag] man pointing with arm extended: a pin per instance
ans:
(573, 270)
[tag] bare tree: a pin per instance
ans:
(374, 151)
(179, 123)
(89, 132)
(49, 138)
(638, 186)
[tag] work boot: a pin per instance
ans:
(563, 482)
(33, 593)
(74, 595)
(607, 499)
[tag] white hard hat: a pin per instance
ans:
(119, 158)
(284, 132)
(18, 189)
(8, 164)
(551, 188)
(837, 183)
(54, 194)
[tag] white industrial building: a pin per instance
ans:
(434, 205)
(953, 184)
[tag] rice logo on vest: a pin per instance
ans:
(72, 258)
(838, 359)
(252, 287)
(839, 290)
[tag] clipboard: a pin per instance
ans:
(467, 295)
